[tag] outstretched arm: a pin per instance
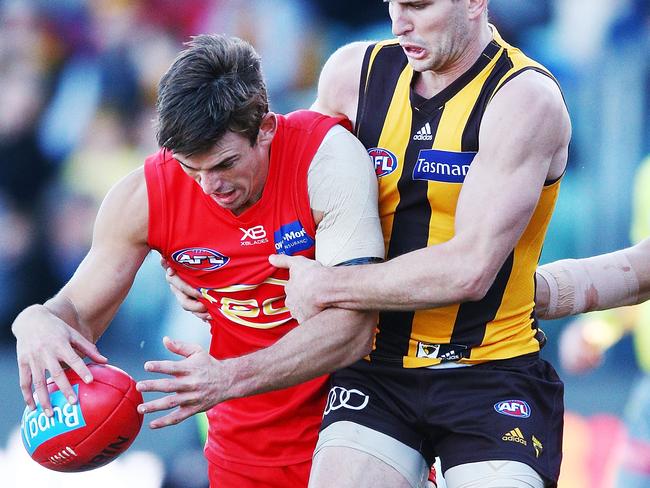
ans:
(66, 327)
(573, 286)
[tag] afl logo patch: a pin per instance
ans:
(513, 408)
(385, 161)
(200, 258)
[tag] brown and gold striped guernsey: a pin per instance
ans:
(422, 149)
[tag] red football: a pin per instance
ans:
(91, 433)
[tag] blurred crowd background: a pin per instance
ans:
(78, 85)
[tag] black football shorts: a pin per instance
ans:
(502, 410)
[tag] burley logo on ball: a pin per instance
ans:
(36, 427)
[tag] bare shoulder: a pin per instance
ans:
(125, 209)
(535, 94)
(528, 118)
(338, 85)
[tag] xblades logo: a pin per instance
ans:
(254, 235)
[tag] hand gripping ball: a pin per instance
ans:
(91, 433)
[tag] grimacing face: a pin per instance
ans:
(232, 173)
(432, 33)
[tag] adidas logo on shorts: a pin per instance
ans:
(424, 134)
(515, 435)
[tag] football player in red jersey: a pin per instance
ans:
(232, 184)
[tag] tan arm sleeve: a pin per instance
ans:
(583, 285)
(343, 186)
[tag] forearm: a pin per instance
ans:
(328, 341)
(431, 277)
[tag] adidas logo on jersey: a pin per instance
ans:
(424, 134)
(515, 435)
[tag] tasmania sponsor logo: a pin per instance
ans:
(443, 166)
(513, 408)
(37, 428)
(200, 258)
(385, 161)
(292, 238)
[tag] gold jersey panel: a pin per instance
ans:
(422, 149)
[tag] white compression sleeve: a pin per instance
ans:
(343, 186)
(493, 474)
(583, 285)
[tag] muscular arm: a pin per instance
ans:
(74, 319)
(523, 142)
(573, 286)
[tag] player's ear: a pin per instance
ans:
(267, 128)
(476, 8)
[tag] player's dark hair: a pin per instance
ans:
(213, 86)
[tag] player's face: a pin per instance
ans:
(433, 33)
(233, 172)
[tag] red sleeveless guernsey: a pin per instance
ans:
(226, 258)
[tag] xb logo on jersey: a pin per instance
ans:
(254, 235)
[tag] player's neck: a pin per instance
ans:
(431, 82)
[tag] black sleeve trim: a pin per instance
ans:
(362, 87)
(358, 261)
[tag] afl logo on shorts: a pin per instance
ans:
(200, 258)
(385, 161)
(513, 408)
